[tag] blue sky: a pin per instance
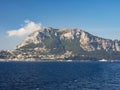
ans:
(98, 17)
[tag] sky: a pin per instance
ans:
(19, 18)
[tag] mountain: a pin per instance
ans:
(59, 38)
(76, 44)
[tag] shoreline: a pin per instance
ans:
(53, 60)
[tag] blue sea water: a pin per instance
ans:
(59, 76)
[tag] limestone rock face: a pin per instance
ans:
(36, 37)
(87, 41)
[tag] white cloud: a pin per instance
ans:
(28, 28)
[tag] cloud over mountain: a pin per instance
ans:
(28, 28)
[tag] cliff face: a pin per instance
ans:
(50, 38)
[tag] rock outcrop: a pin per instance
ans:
(87, 41)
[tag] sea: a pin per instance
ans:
(59, 75)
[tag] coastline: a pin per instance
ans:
(54, 60)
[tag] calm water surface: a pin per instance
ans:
(59, 76)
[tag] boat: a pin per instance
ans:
(69, 60)
(103, 60)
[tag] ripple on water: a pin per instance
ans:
(59, 76)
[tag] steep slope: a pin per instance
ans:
(50, 43)
(47, 37)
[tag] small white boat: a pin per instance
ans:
(103, 60)
(69, 60)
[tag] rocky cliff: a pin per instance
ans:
(75, 44)
(57, 38)
(55, 44)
